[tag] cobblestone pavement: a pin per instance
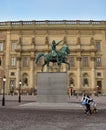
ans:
(26, 119)
(73, 102)
(12, 117)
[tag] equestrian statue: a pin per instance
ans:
(55, 56)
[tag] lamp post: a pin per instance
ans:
(3, 99)
(19, 99)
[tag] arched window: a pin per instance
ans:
(85, 80)
(25, 79)
(71, 79)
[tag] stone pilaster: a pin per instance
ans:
(7, 60)
(18, 75)
(32, 73)
(93, 84)
(79, 72)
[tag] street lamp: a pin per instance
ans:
(3, 99)
(19, 99)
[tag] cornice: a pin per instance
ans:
(53, 24)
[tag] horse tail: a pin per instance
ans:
(38, 56)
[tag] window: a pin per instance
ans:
(13, 61)
(25, 80)
(1, 46)
(98, 61)
(11, 82)
(25, 61)
(85, 82)
(12, 74)
(99, 74)
(13, 46)
(71, 61)
(85, 62)
(12, 85)
(98, 46)
(71, 81)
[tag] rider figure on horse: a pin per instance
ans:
(54, 51)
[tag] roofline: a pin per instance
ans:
(53, 24)
(71, 22)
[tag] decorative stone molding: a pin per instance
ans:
(65, 40)
(78, 40)
(47, 40)
(92, 41)
(33, 41)
(20, 41)
(79, 58)
(93, 58)
(18, 58)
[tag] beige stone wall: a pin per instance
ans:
(36, 39)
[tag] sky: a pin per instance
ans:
(26, 10)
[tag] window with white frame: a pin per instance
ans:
(25, 61)
(12, 85)
(13, 61)
(98, 62)
(13, 46)
(98, 46)
(1, 46)
(85, 61)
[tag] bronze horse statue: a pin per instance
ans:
(62, 57)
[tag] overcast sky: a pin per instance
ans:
(15, 10)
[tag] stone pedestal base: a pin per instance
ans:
(52, 87)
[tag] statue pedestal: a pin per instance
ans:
(52, 87)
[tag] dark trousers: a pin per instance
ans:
(88, 109)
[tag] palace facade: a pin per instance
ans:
(20, 41)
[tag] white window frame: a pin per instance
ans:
(13, 46)
(98, 62)
(25, 61)
(98, 46)
(85, 61)
(13, 61)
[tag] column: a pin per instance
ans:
(79, 73)
(32, 73)
(93, 84)
(18, 76)
(7, 60)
